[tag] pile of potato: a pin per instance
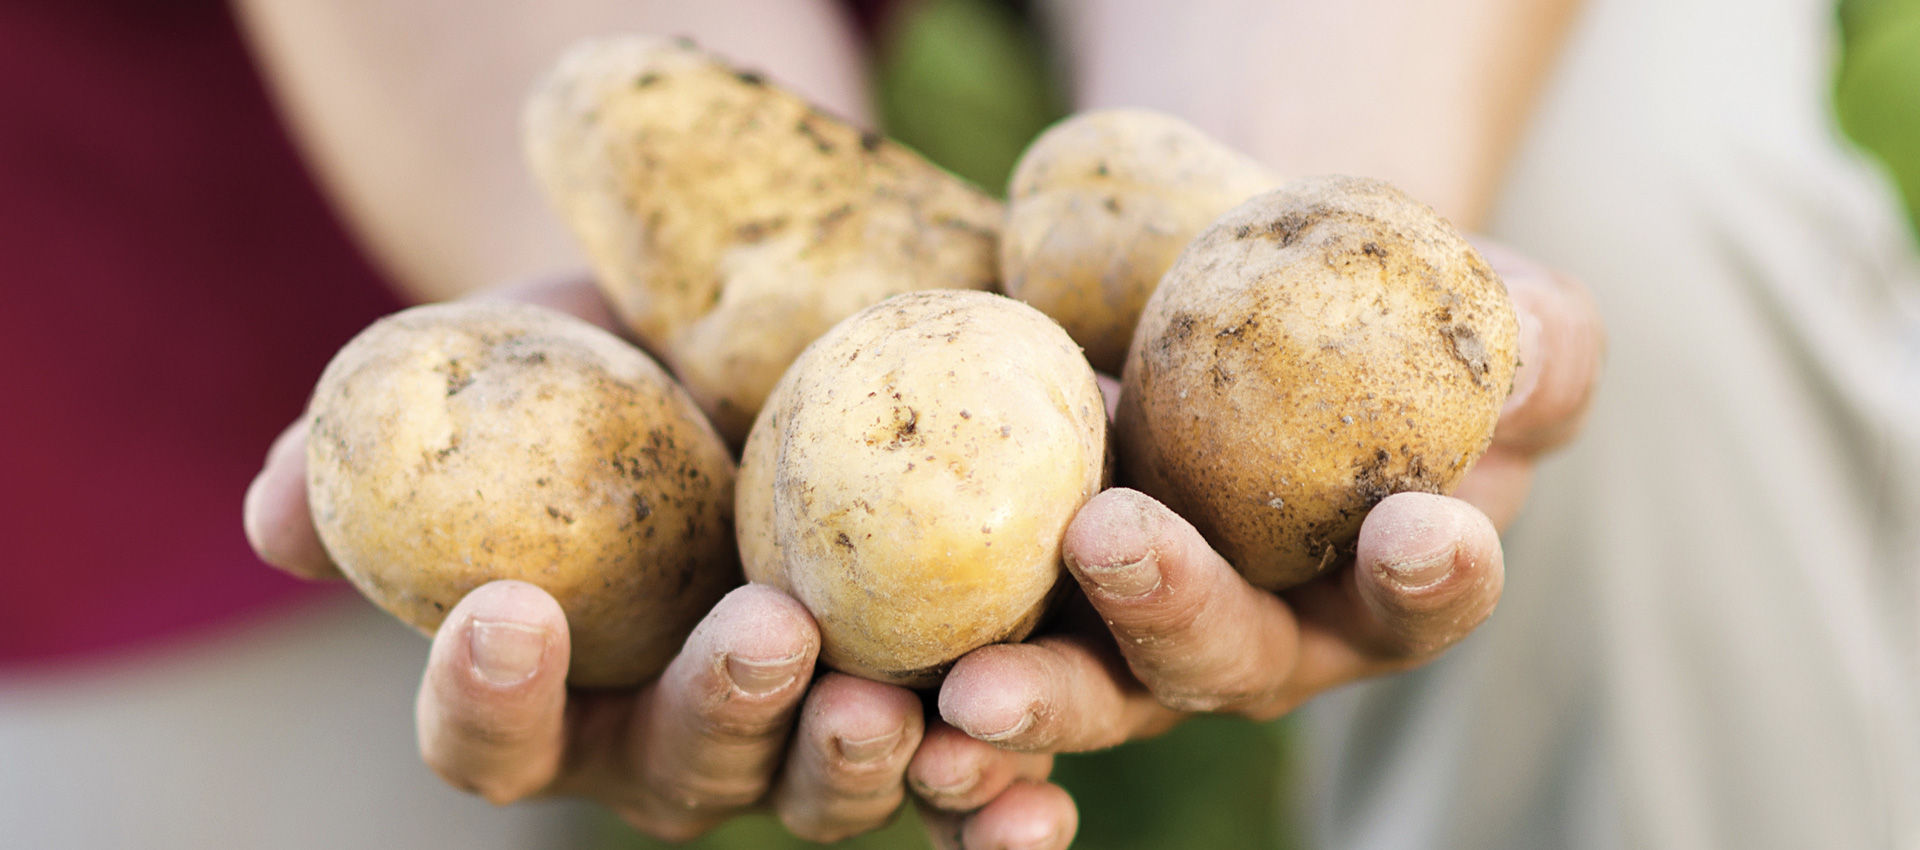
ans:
(914, 445)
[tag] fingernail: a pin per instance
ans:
(1527, 376)
(762, 676)
(868, 749)
(505, 653)
(1019, 726)
(950, 788)
(1125, 581)
(1419, 572)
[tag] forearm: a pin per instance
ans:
(1428, 95)
(409, 111)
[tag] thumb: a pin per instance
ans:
(491, 709)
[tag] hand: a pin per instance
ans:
(731, 726)
(1169, 629)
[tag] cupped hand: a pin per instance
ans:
(738, 722)
(1170, 629)
(732, 726)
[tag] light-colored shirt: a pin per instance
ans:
(1709, 634)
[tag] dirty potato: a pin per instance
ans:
(730, 222)
(1315, 350)
(1099, 206)
(457, 444)
(912, 477)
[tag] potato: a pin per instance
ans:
(456, 444)
(731, 223)
(1317, 349)
(912, 477)
(1097, 210)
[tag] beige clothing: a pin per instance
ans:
(1709, 635)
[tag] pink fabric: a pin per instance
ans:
(173, 285)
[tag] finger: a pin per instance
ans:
(1059, 693)
(954, 772)
(278, 523)
(1028, 816)
(1109, 393)
(490, 712)
(1190, 628)
(711, 732)
(844, 775)
(1562, 345)
(1497, 485)
(574, 294)
(1427, 572)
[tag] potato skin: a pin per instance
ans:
(730, 222)
(912, 477)
(1098, 208)
(1317, 349)
(457, 444)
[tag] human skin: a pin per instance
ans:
(1183, 633)
(706, 741)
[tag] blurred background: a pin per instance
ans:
(175, 280)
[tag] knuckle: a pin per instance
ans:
(484, 735)
(859, 782)
(503, 792)
(808, 828)
(820, 832)
(1228, 685)
(674, 828)
(1271, 710)
(1415, 643)
(839, 820)
(445, 763)
(1208, 701)
(1159, 628)
(738, 720)
(689, 794)
(811, 826)
(498, 775)
(1406, 637)
(494, 789)
(1192, 676)
(1190, 702)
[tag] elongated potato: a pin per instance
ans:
(912, 477)
(1098, 208)
(730, 222)
(1317, 349)
(457, 444)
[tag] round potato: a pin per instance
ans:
(1317, 349)
(913, 475)
(1098, 208)
(457, 444)
(730, 222)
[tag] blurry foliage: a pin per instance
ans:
(967, 83)
(1211, 783)
(1877, 87)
